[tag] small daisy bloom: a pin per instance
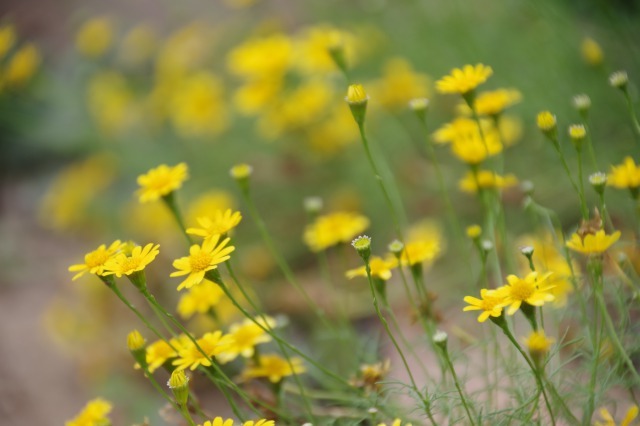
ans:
(531, 289)
(94, 261)
(140, 257)
(490, 303)
(593, 243)
(220, 224)
(464, 80)
(200, 260)
(161, 181)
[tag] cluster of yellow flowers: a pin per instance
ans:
(22, 64)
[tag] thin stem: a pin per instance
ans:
(170, 202)
(632, 113)
(463, 398)
(583, 204)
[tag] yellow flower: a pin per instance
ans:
(356, 94)
(7, 39)
(546, 121)
(200, 260)
(135, 341)
(197, 107)
(591, 52)
(380, 268)
(208, 202)
(538, 343)
(140, 257)
(331, 229)
(191, 357)
(161, 181)
(312, 48)
(399, 84)
(334, 133)
(464, 80)
(95, 261)
(494, 102)
(467, 143)
(491, 303)
(486, 179)
(95, 413)
(22, 66)
(608, 420)
(417, 252)
(219, 421)
(261, 57)
(160, 351)
(274, 367)
(577, 132)
(199, 299)
(241, 171)
(111, 102)
(220, 224)
(396, 422)
(474, 231)
(625, 175)
(593, 243)
(245, 337)
(95, 37)
(530, 289)
(255, 95)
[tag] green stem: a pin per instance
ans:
(170, 202)
(425, 402)
(632, 113)
(583, 204)
(463, 398)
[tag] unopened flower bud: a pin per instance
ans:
(313, 205)
(547, 123)
(136, 345)
(420, 106)
(241, 173)
(357, 99)
(396, 247)
(598, 181)
(582, 103)
(179, 384)
(440, 338)
(362, 244)
(619, 80)
(474, 232)
(577, 133)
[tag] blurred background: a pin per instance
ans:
(93, 94)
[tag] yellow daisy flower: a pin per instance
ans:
(608, 420)
(380, 268)
(160, 351)
(530, 289)
(219, 421)
(416, 252)
(593, 243)
(199, 299)
(275, 368)
(245, 337)
(161, 181)
(331, 229)
(625, 175)
(220, 224)
(464, 80)
(491, 303)
(200, 260)
(211, 344)
(94, 261)
(95, 37)
(494, 102)
(140, 257)
(94, 413)
(486, 179)
(396, 422)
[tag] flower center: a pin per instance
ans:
(97, 258)
(200, 261)
(522, 290)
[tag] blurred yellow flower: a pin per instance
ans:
(334, 133)
(161, 181)
(95, 413)
(219, 421)
(396, 422)
(200, 260)
(274, 367)
(123, 264)
(269, 56)
(197, 107)
(160, 351)
(608, 420)
(190, 356)
(111, 102)
(399, 84)
(95, 37)
(95, 261)
(199, 299)
(207, 202)
(184, 51)
(331, 229)
(257, 94)
(474, 231)
(538, 343)
(464, 80)
(138, 45)
(356, 94)
(380, 268)
(66, 203)
(592, 243)
(7, 38)
(420, 251)
(467, 143)
(312, 44)
(22, 66)
(486, 179)
(494, 102)
(245, 336)
(591, 51)
(546, 121)
(625, 175)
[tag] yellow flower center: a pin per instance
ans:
(130, 264)
(522, 290)
(490, 302)
(200, 261)
(96, 258)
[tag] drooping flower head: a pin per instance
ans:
(161, 181)
(463, 81)
(538, 344)
(625, 175)
(94, 261)
(202, 258)
(592, 243)
(532, 289)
